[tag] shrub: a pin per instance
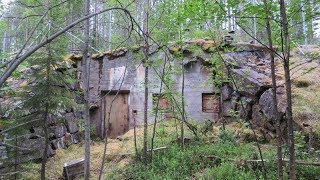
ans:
(302, 83)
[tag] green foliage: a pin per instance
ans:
(302, 83)
(226, 137)
(227, 170)
(218, 77)
(176, 163)
(300, 145)
(314, 55)
(308, 172)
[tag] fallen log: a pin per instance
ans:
(157, 149)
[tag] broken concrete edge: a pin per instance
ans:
(174, 48)
(111, 54)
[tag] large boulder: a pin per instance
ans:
(229, 106)
(37, 131)
(59, 130)
(72, 123)
(260, 120)
(52, 120)
(75, 139)
(233, 61)
(266, 103)
(250, 82)
(58, 143)
(65, 141)
(70, 139)
(32, 149)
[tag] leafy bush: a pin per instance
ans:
(302, 83)
(226, 137)
(199, 160)
(308, 172)
(227, 170)
(177, 163)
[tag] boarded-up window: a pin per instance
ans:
(163, 101)
(163, 106)
(210, 103)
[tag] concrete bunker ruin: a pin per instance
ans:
(117, 78)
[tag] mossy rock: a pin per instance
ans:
(209, 45)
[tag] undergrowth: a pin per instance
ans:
(216, 154)
(199, 160)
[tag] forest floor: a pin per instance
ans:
(216, 154)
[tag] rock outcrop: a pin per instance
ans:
(29, 140)
(250, 88)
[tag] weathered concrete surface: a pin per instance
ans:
(126, 73)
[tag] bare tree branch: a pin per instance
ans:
(18, 61)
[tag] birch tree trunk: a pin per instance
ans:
(274, 93)
(286, 66)
(182, 106)
(86, 74)
(304, 25)
(146, 80)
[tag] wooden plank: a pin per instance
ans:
(73, 169)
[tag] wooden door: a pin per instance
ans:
(118, 116)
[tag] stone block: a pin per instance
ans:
(266, 103)
(71, 123)
(59, 130)
(58, 143)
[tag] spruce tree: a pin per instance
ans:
(49, 90)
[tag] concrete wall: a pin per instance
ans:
(126, 73)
